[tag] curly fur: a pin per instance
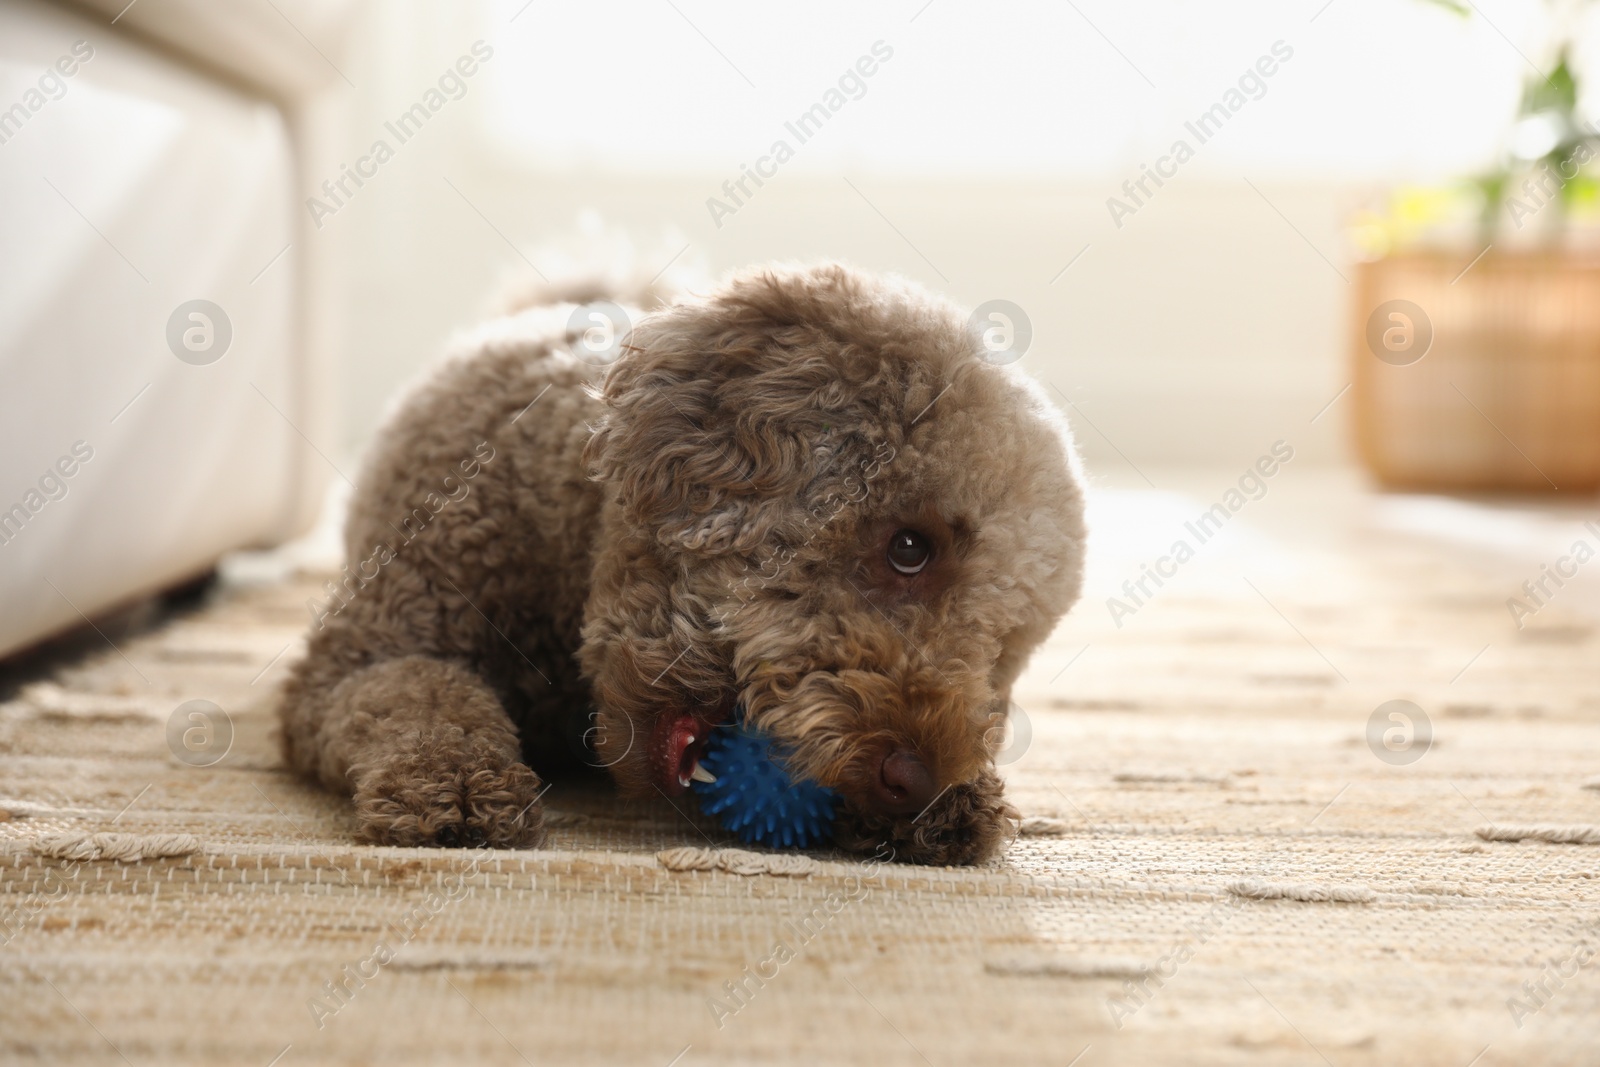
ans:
(700, 525)
(967, 824)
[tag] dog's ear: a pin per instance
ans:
(717, 421)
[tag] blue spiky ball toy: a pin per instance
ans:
(754, 797)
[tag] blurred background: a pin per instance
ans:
(1206, 213)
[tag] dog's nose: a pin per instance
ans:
(904, 785)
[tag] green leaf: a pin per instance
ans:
(1492, 186)
(1558, 92)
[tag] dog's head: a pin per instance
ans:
(827, 506)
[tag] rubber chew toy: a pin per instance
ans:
(753, 796)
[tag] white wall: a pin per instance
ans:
(1209, 324)
(1201, 332)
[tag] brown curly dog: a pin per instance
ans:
(808, 493)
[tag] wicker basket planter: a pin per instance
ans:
(1483, 380)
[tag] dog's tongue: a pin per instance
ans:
(683, 739)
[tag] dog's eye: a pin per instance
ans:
(909, 551)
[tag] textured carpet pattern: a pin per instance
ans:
(1217, 867)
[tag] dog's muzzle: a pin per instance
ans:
(903, 784)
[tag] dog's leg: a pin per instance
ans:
(965, 824)
(425, 749)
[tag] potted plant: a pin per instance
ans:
(1476, 333)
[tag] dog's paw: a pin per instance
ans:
(449, 795)
(967, 824)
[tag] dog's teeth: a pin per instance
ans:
(683, 781)
(700, 774)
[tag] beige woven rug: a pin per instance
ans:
(1218, 868)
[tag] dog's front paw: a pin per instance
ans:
(449, 792)
(966, 824)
